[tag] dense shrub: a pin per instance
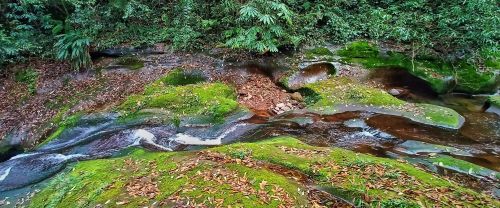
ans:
(451, 27)
(74, 47)
(264, 26)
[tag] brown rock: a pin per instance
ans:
(297, 96)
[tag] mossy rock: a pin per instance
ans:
(179, 76)
(491, 58)
(494, 100)
(130, 62)
(62, 124)
(236, 174)
(469, 80)
(210, 100)
(441, 75)
(319, 53)
(359, 49)
(452, 163)
(326, 96)
(308, 73)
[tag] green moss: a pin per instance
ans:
(318, 52)
(104, 181)
(62, 124)
(491, 58)
(95, 182)
(226, 193)
(494, 100)
(131, 62)
(89, 183)
(359, 49)
(440, 74)
(353, 187)
(336, 91)
(212, 100)
(437, 115)
(470, 80)
(326, 95)
(463, 166)
(398, 203)
(180, 77)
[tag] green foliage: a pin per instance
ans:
(183, 31)
(74, 47)
(263, 27)
(7, 49)
(28, 76)
(494, 100)
(28, 24)
(455, 28)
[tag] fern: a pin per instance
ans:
(264, 26)
(7, 49)
(74, 47)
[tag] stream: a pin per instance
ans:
(105, 135)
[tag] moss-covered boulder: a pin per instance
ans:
(359, 49)
(334, 94)
(318, 54)
(441, 75)
(62, 125)
(461, 166)
(494, 100)
(279, 172)
(184, 96)
(179, 76)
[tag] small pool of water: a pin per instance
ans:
(480, 133)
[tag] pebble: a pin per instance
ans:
(282, 107)
(394, 92)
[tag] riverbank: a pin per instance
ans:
(179, 101)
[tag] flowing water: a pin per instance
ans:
(105, 135)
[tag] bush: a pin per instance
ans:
(264, 27)
(74, 47)
(7, 49)
(454, 28)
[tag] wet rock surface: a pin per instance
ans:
(310, 73)
(274, 112)
(87, 91)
